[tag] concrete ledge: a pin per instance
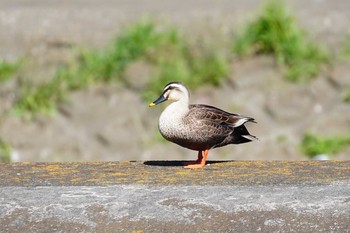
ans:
(159, 173)
(161, 196)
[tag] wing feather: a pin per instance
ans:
(218, 116)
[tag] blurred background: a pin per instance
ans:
(76, 77)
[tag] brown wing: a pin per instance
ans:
(212, 127)
(218, 116)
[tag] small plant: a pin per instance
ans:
(313, 145)
(7, 69)
(5, 152)
(209, 69)
(276, 32)
(40, 99)
(346, 56)
(346, 51)
(347, 96)
(176, 60)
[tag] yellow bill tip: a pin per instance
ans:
(151, 105)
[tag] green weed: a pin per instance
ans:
(276, 32)
(209, 69)
(347, 96)
(346, 50)
(345, 55)
(41, 99)
(313, 145)
(177, 60)
(7, 69)
(5, 152)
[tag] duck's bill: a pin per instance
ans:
(158, 101)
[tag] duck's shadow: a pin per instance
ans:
(176, 163)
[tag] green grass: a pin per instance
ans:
(7, 69)
(43, 98)
(347, 96)
(91, 67)
(313, 145)
(5, 152)
(276, 32)
(346, 50)
(172, 58)
(345, 56)
(179, 61)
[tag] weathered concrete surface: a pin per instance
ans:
(164, 173)
(238, 196)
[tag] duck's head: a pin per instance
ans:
(173, 91)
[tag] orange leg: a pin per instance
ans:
(199, 159)
(200, 163)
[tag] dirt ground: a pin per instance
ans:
(113, 123)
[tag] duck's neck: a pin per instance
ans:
(174, 112)
(178, 108)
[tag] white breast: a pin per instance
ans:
(171, 120)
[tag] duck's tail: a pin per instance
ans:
(241, 135)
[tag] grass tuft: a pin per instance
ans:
(178, 61)
(276, 32)
(347, 96)
(346, 49)
(5, 152)
(41, 99)
(313, 145)
(7, 69)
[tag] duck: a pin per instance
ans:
(198, 127)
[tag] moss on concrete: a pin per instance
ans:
(216, 173)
